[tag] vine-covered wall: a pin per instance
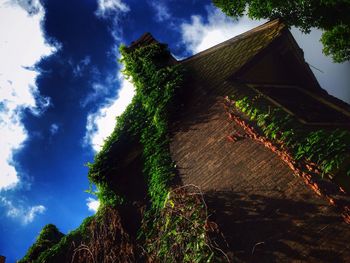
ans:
(174, 222)
(328, 149)
(145, 120)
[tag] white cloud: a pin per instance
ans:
(79, 67)
(54, 128)
(92, 204)
(162, 11)
(113, 10)
(25, 214)
(199, 35)
(101, 123)
(28, 216)
(31, 6)
(99, 91)
(22, 44)
(110, 7)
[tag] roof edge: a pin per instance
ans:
(235, 38)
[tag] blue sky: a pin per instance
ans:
(61, 88)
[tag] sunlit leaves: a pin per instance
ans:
(332, 16)
(326, 148)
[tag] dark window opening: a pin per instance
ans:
(307, 107)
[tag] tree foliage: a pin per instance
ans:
(337, 43)
(332, 16)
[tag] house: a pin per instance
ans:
(264, 145)
(266, 212)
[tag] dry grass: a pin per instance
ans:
(107, 242)
(183, 232)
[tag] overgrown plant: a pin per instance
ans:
(61, 251)
(48, 237)
(100, 238)
(145, 122)
(328, 149)
(175, 227)
(181, 232)
(108, 241)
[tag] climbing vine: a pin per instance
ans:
(176, 223)
(145, 120)
(328, 149)
(48, 237)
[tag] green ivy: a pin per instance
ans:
(326, 148)
(48, 237)
(60, 252)
(145, 120)
(180, 232)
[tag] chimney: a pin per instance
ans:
(148, 39)
(144, 40)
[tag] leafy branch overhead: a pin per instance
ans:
(331, 16)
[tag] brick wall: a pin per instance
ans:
(266, 212)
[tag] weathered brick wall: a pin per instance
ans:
(266, 213)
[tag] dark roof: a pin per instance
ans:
(229, 56)
(218, 66)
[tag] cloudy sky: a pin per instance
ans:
(61, 88)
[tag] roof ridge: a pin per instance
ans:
(252, 31)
